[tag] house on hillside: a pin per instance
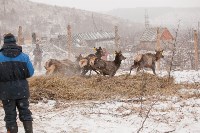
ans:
(151, 36)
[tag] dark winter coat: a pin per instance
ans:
(15, 67)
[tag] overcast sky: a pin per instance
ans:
(105, 5)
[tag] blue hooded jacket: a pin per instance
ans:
(15, 68)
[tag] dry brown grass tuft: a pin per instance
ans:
(99, 87)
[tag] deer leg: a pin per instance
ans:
(101, 73)
(131, 69)
(90, 73)
(138, 69)
(84, 71)
(97, 72)
(153, 68)
(141, 65)
(92, 68)
(113, 74)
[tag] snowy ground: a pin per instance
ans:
(185, 76)
(166, 115)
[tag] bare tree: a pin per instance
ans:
(173, 50)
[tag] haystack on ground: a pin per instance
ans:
(99, 87)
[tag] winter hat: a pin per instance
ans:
(9, 38)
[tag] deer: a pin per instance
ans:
(109, 67)
(85, 63)
(147, 60)
(65, 66)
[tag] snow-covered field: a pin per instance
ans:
(166, 115)
(185, 76)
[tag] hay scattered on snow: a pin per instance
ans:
(99, 87)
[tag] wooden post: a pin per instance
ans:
(20, 38)
(117, 38)
(196, 52)
(158, 47)
(69, 41)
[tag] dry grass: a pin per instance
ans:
(99, 87)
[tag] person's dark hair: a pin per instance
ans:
(9, 38)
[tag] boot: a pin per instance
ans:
(28, 126)
(13, 130)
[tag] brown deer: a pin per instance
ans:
(147, 60)
(109, 67)
(65, 66)
(85, 63)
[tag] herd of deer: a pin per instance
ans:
(93, 62)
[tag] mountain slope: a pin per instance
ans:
(160, 15)
(46, 19)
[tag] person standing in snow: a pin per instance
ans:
(15, 68)
(37, 52)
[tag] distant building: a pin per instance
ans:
(95, 39)
(148, 40)
(89, 39)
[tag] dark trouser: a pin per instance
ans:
(11, 114)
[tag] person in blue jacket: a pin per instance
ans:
(15, 68)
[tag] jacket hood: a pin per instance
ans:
(11, 50)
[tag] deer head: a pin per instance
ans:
(119, 56)
(159, 54)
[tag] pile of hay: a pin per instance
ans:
(99, 87)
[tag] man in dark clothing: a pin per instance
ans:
(15, 68)
(37, 56)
